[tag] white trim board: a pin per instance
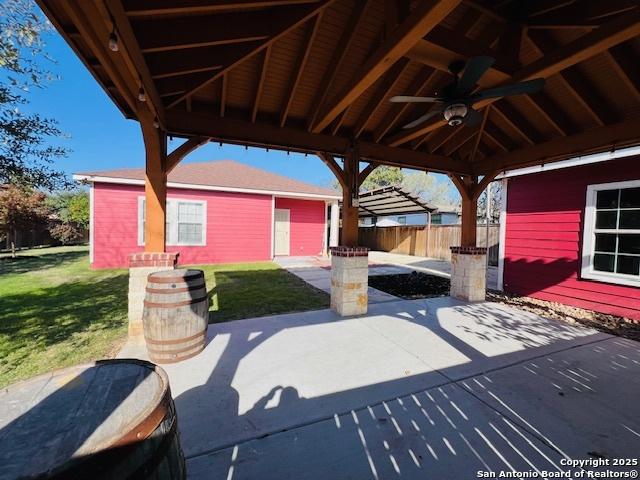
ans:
(503, 233)
(572, 162)
(588, 244)
(214, 188)
(91, 224)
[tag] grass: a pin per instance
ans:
(56, 312)
(247, 290)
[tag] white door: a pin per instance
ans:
(281, 231)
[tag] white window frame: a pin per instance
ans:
(172, 214)
(588, 236)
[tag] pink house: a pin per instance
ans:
(217, 212)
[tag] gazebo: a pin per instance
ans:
(316, 76)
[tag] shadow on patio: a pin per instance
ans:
(416, 388)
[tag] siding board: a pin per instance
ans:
(544, 238)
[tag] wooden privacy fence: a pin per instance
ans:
(425, 241)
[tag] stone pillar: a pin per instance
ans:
(468, 273)
(334, 225)
(349, 280)
(140, 266)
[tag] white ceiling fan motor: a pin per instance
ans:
(455, 113)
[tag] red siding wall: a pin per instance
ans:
(307, 219)
(544, 238)
(238, 226)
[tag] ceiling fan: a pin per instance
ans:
(457, 99)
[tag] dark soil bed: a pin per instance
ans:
(411, 285)
(422, 285)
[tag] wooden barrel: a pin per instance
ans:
(112, 419)
(175, 315)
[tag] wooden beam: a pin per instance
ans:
(349, 231)
(554, 115)
(260, 87)
(295, 16)
(330, 162)
(498, 136)
(461, 137)
(182, 151)
(299, 68)
(517, 121)
(421, 20)
(476, 143)
(381, 94)
(232, 130)
(223, 94)
(625, 64)
(130, 51)
(365, 172)
(143, 8)
(339, 54)
(417, 87)
(584, 47)
(598, 139)
(579, 85)
(442, 136)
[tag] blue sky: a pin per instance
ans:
(101, 138)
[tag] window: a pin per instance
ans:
(185, 223)
(402, 220)
(611, 244)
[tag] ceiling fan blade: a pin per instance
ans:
(475, 68)
(412, 99)
(530, 86)
(472, 118)
(424, 118)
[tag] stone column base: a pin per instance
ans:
(349, 280)
(140, 266)
(469, 273)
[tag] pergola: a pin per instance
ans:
(391, 200)
(315, 76)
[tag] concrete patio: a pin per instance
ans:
(430, 388)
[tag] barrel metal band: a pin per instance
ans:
(176, 304)
(155, 352)
(185, 278)
(175, 290)
(175, 341)
(162, 360)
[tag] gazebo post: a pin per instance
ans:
(154, 258)
(468, 261)
(349, 192)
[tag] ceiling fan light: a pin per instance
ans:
(454, 114)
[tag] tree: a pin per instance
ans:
(383, 176)
(26, 154)
(495, 191)
(21, 209)
(70, 216)
(425, 186)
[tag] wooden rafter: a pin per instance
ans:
(584, 47)
(205, 30)
(499, 138)
(461, 137)
(339, 54)
(260, 87)
(417, 87)
(598, 139)
(235, 131)
(517, 121)
(381, 94)
(584, 92)
(554, 115)
(295, 16)
(476, 142)
(223, 94)
(299, 68)
(142, 8)
(426, 16)
(441, 137)
(625, 65)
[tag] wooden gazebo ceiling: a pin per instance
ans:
(317, 75)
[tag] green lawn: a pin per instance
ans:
(55, 311)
